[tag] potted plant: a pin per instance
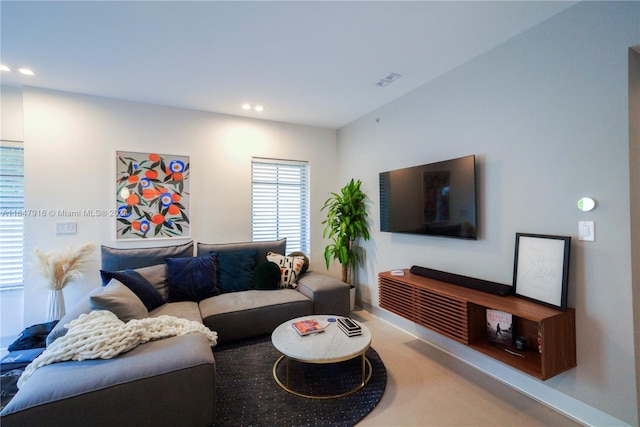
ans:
(346, 221)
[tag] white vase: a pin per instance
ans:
(55, 310)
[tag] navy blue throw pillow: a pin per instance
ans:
(235, 269)
(140, 286)
(192, 278)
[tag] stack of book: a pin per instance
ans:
(349, 327)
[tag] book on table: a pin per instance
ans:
(349, 327)
(307, 326)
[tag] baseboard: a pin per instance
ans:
(558, 401)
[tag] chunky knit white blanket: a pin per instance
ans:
(101, 335)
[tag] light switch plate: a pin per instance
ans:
(586, 231)
(68, 227)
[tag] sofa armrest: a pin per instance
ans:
(329, 295)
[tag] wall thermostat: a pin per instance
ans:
(586, 204)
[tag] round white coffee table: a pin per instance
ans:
(330, 346)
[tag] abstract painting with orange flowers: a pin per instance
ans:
(152, 195)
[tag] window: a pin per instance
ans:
(280, 202)
(11, 214)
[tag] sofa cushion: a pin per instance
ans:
(266, 276)
(120, 300)
(235, 269)
(289, 269)
(192, 278)
(251, 313)
(262, 248)
(329, 295)
(114, 259)
(184, 310)
(144, 290)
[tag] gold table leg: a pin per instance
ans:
(286, 385)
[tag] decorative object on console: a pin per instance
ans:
(346, 222)
(60, 269)
(152, 196)
(541, 269)
(499, 326)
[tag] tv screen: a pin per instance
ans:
(437, 199)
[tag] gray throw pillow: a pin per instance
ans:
(157, 276)
(120, 300)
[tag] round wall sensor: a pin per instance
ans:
(586, 204)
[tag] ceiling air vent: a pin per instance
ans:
(390, 78)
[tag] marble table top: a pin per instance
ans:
(329, 346)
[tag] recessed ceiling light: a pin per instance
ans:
(259, 108)
(246, 107)
(26, 71)
(4, 68)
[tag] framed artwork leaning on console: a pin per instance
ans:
(541, 269)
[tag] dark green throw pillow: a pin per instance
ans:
(266, 276)
(235, 269)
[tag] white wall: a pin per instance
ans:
(70, 145)
(547, 116)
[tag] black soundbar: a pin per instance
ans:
(467, 282)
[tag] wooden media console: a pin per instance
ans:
(460, 314)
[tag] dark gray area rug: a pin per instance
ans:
(247, 394)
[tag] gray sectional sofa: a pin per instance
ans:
(169, 382)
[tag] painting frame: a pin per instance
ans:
(153, 199)
(541, 269)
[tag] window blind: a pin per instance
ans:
(11, 214)
(280, 202)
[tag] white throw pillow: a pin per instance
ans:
(290, 268)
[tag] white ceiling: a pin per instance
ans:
(312, 63)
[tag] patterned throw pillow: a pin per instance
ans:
(290, 267)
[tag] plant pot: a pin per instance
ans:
(352, 297)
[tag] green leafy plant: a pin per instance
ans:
(346, 221)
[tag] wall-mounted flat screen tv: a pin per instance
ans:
(437, 199)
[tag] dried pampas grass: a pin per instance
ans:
(61, 268)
